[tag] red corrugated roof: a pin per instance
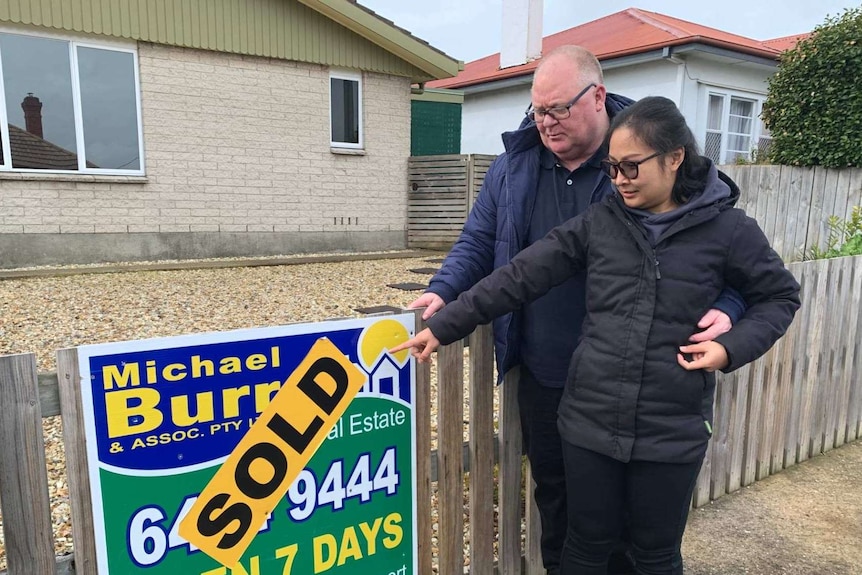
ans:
(624, 33)
(786, 42)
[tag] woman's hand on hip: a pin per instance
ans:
(706, 355)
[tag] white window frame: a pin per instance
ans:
(758, 130)
(354, 77)
(73, 45)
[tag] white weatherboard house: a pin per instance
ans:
(719, 80)
(173, 129)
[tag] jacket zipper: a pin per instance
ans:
(642, 242)
(675, 228)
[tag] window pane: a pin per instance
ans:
(109, 109)
(38, 90)
(345, 110)
(713, 115)
(739, 143)
(740, 128)
(742, 107)
(739, 125)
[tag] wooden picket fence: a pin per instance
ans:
(791, 204)
(801, 399)
(441, 194)
(804, 397)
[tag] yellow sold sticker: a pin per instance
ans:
(237, 501)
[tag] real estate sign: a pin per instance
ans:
(273, 451)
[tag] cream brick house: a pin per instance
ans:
(203, 128)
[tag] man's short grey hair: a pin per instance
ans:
(586, 62)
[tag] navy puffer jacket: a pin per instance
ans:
(496, 228)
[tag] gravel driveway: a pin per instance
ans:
(44, 314)
(806, 520)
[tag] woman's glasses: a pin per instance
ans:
(628, 168)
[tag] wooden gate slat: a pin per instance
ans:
(26, 505)
(69, 380)
(481, 410)
(509, 548)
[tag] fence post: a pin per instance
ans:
(423, 458)
(24, 498)
(509, 522)
(450, 467)
(83, 531)
(470, 172)
(481, 419)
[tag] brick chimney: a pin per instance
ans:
(521, 41)
(33, 114)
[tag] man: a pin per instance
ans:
(549, 173)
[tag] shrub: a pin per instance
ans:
(758, 157)
(849, 231)
(814, 103)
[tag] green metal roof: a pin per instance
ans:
(338, 33)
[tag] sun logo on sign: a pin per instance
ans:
(384, 369)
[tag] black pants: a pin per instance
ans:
(653, 498)
(538, 408)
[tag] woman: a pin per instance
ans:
(636, 414)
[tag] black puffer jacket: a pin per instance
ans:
(626, 396)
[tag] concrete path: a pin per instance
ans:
(806, 520)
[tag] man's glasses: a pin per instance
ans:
(557, 112)
(627, 167)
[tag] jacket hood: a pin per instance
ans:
(718, 190)
(527, 136)
(715, 189)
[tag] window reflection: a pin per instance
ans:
(344, 107)
(38, 90)
(108, 108)
(43, 130)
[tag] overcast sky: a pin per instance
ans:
(470, 29)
